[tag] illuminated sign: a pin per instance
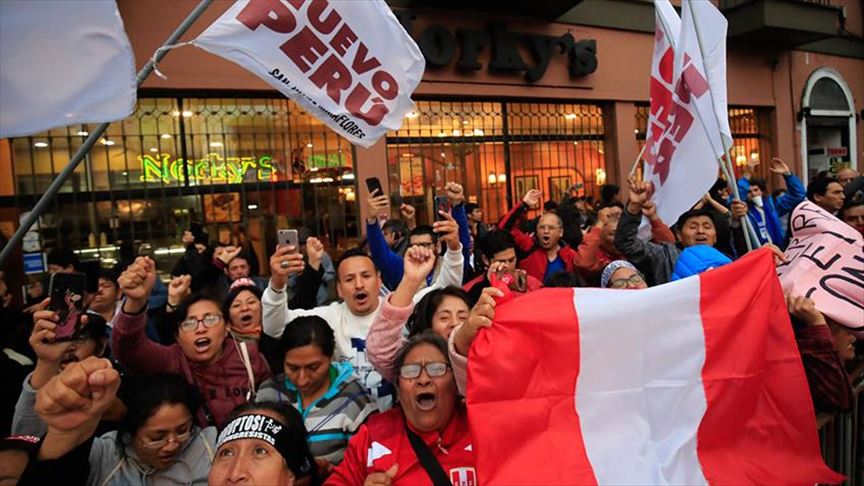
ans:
(212, 168)
(324, 161)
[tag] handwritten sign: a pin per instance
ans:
(350, 64)
(825, 263)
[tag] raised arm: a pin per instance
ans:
(482, 315)
(388, 261)
(452, 264)
(274, 303)
(795, 191)
(508, 223)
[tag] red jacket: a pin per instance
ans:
(382, 442)
(223, 384)
(537, 260)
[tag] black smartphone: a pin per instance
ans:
(288, 237)
(67, 300)
(441, 204)
(91, 269)
(372, 183)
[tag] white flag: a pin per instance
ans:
(680, 162)
(350, 64)
(63, 63)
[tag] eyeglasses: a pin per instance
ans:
(209, 321)
(434, 370)
(158, 444)
(622, 282)
(549, 227)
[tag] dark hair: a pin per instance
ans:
(424, 229)
(850, 203)
(295, 429)
(566, 280)
(421, 319)
(352, 253)
(762, 184)
(143, 395)
(183, 309)
(397, 227)
(495, 242)
(226, 306)
(63, 257)
(426, 337)
(695, 213)
(819, 186)
(608, 192)
(550, 206)
(470, 207)
(109, 275)
(306, 330)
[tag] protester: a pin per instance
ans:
(52, 357)
(263, 443)
(609, 195)
(852, 214)
(765, 212)
(330, 399)
(824, 352)
(845, 176)
(106, 300)
(239, 267)
(450, 230)
(440, 311)
(621, 274)
(431, 418)
(328, 278)
(62, 260)
(157, 441)
(226, 372)
(827, 193)
(498, 251)
(482, 315)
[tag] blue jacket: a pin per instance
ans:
(770, 225)
(696, 259)
(391, 263)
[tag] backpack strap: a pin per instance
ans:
(427, 459)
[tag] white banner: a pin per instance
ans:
(350, 64)
(679, 160)
(63, 63)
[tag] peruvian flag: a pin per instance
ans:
(692, 382)
(680, 156)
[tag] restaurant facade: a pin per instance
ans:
(511, 100)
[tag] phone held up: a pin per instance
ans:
(67, 300)
(516, 280)
(442, 204)
(288, 237)
(372, 183)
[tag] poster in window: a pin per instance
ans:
(222, 208)
(411, 175)
(524, 184)
(558, 187)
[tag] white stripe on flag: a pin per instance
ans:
(640, 408)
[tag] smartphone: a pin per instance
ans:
(67, 300)
(288, 237)
(372, 183)
(441, 204)
(91, 269)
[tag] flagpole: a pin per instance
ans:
(95, 135)
(638, 158)
(749, 233)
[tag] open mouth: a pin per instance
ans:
(361, 297)
(202, 344)
(701, 239)
(246, 318)
(426, 401)
(545, 239)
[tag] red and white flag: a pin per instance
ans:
(350, 64)
(63, 63)
(680, 161)
(692, 382)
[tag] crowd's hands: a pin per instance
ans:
(447, 230)
(72, 403)
(178, 289)
(136, 283)
(779, 256)
(455, 193)
(481, 316)
(805, 309)
(379, 206)
(649, 210)
(409, 214)
(314, 252)
(640, 194)
(604, 215)
(532, 198)
(382, 479)
(49, 353)
(284, 263)
(779, 167)
(739, 209)
(226, 253)
(418, 264)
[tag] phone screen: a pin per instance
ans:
(372, 183)
(441, 204)
(67, 300)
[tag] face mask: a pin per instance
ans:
(757, 200)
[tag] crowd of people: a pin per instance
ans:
(353, 370)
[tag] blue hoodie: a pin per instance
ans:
(694, 260)
(770, 226)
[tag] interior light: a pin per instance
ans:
(411, 114)
(491, 179)
(107, 142)
(502, 178)
(216, 144)
(187, 114)
(309, 145)
(40, 144)
(154, 149)
(82, 133)
(165, 136)
(252, 206)
(570, 116)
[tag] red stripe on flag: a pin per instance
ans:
(530, 382)
(759, 427)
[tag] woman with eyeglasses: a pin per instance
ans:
(430, 423)
(440, 310)
(225, 371)
(621, 274)
(330, 399)
(157, 441)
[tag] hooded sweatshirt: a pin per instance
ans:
(332, 419)
(696, 259)
(224, 384)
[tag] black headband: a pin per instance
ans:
(273, 432)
